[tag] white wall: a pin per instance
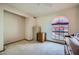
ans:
(29, 23)
(78, 18)
(32, 26)
(70, 13)
(1, 29)
(14, 27)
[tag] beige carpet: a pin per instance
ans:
(34, 48)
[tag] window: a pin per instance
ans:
(60, 26)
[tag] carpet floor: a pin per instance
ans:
(33, 48)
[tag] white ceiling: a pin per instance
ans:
(41, 9)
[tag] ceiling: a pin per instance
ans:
(41, 9)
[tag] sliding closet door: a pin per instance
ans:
(14, 26)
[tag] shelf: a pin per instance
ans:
(60, 23)
(61, 31)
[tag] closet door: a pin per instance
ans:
(14, 27)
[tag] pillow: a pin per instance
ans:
(74, 41)
(77, 36)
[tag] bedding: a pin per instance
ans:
(74, 41)
(73, 44)
(77, 36)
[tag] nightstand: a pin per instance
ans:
(41, 36)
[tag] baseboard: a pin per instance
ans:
(13, 42)
(3, 49)
(29, 40)
(55, 41)
(18, 41)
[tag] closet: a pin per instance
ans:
(14, 27)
